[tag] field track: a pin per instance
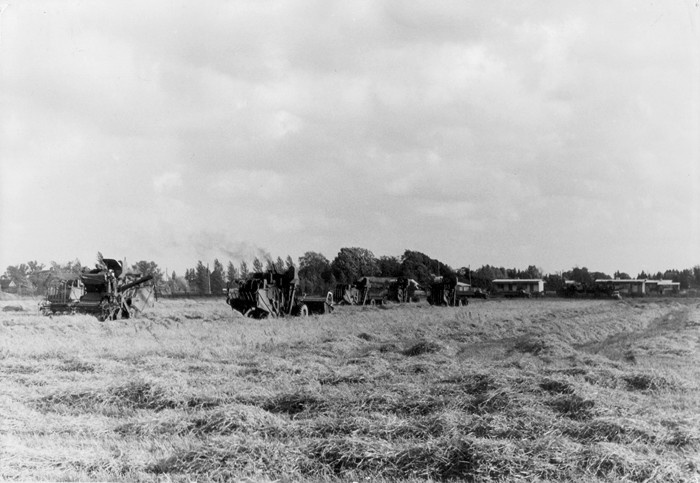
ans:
(585, 390)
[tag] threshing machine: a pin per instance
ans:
(273, 294)
(406, 290)
(449, 291)
(107, 293)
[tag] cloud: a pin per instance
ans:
(167, 181)
(527, 134)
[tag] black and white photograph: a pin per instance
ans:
(350, 241)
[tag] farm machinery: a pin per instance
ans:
(407, 290)
(364, 291)
(107, 292)
(379, 290)
(448, 291)
(272, 294)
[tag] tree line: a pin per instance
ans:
(318, 274)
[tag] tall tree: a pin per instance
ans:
(231, 273)
(389, 266)
(290, 263)
(353, 263)
(315, 273)
(149, 268)
(178, 284)
(217, 278)
(532, 272)
(279, 265)
(580, 275)
(244, 270)
(202, 280)
(422, 268)
(257, 265)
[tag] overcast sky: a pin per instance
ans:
(546, 133)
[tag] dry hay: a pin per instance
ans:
(362, 395)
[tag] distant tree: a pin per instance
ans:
(486, 272)
(532, 272)
(600, 276)
(315, 274)
(389, 266)
(36, 275)
(217, 278)
(244, 270)
(35, 266)
(18, 274)
(178, 284)
(231, 273)
(289, 262)
(149, 268)
(353, 263)
(202, 278)
(191, 279)
(686, 278)
(422, 268)
(553, 282)
(257, 265)
(71, 267)
(580, 275)
(279, 265)
(621, 276)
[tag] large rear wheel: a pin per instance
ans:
(303, 311)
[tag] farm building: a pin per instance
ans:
(625, 287)
(507, 286)
(662, 287)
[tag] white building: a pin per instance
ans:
(508, 286)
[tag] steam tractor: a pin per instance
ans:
(106, 292)
(448, 291)
(273, 294)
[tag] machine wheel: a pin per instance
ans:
(460, 303)
(372, 302)
(303, 311)
(249, 313)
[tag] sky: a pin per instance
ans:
(546, 133)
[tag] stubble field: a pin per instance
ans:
(582, 390)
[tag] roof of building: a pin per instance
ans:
(619, 280)
(516, 280)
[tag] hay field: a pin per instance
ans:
(582, 390)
